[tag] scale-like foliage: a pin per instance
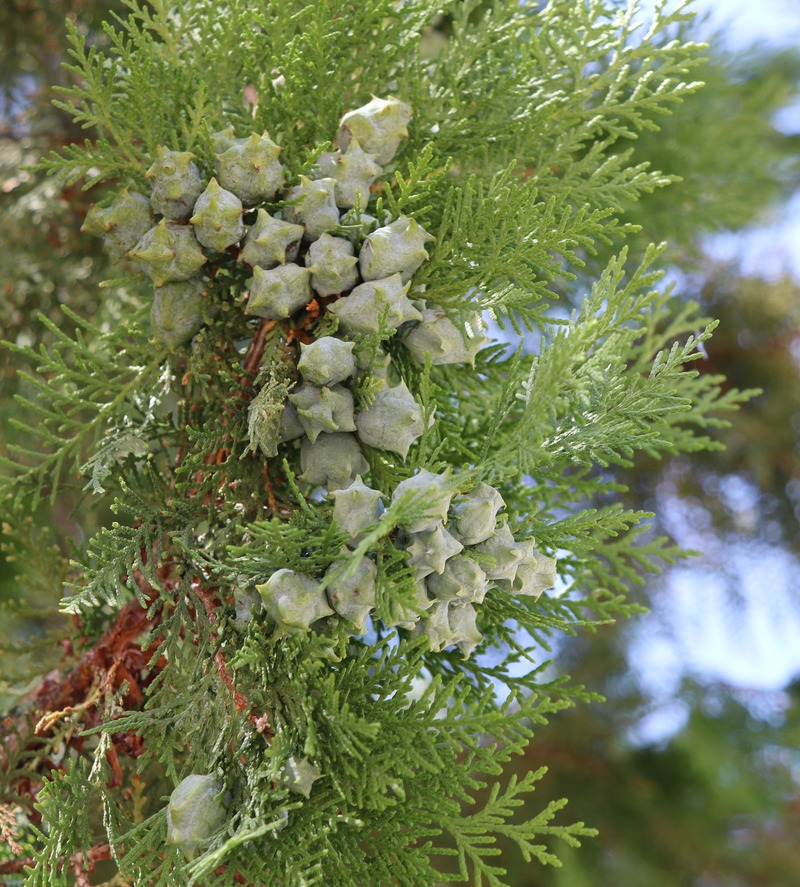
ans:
(347, 754)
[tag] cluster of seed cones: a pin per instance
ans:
(316, 243)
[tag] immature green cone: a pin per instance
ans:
(355, 508)
(393, 421)
(462, 619)
(290, 428)
(168, 252)
(396, 248)
(194, 814)
(353, 598)
(224, 139)
(461, 579)
(379, 126)
(176, 183)
(371, 303)
(332, 461)
(271, 241)
(279, 292)
(534, 574)
(332, 265)
(179, 311)
(323, 409)
(354, 171)
(312, 204)
(440, 340)
(435, 626)
(217, 218)
(433, 486)
(121, 224)
(251, 169)
(407, 615)
(507, 554)
(474, 515)
(246, 605)
(300, 776)
(293, 600)
(326, 361)
(431, 549)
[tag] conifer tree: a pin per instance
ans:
(339, 494)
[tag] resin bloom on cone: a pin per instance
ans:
(176, 183)
(355, 508)
(168, 252)
(271, 241)
(251, 169)
(122, 223)
(397, 248)
(217, 218)
(293, 600)
(392, 422)
(379, 126)
(279, 292)
(194, 814)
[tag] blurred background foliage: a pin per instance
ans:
(712, 797)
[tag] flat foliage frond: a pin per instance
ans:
(345, 752)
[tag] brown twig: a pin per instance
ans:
(95, 672)
(256, 352)
(261, 722)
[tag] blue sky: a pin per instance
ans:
(731, 616)
(774, 243)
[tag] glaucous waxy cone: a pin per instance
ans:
(358, 225)
(379, 126)
(431, 549)
(176, 183)
(355, 508)
(293, 600)
(168, 252)
(506, 553)
(434, 488)
(353, 598)
(474, 514)
(397, 248)
(300, 776)
(535, 572)
(438, 338)
(217, 218)
(435, 626)
(354, 171)
(462, 618)
(371, 303)
(312, 204)
(224, 139)
(332, 461)
(179, 311)
(279, 292)
(271, 241)
(324, 408)
(121, 224)
(461, 579)
(392, 422)
(194, 814)
(251, 169)
(326, 361)
(407, 615)
(290, 427)
(332, 265)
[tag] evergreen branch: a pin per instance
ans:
(475, 847)
(80, 863)
(81, 390)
